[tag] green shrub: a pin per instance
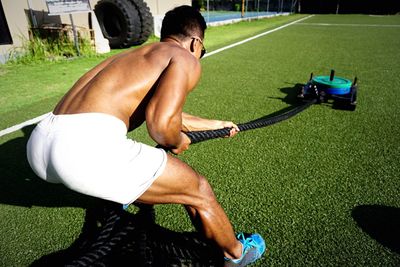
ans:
(39, 48)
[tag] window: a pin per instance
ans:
(5, 36)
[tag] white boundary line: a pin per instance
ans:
(37, 119)
(22, 125)
(351, 24)
(254, 37)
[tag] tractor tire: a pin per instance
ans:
(124, 23)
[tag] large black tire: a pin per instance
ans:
(124, 22)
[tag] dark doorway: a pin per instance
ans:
(5, 36)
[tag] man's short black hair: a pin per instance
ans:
(183, 21)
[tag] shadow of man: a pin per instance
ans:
(382, 223)
(110, 236)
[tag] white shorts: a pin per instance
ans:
(91, 154)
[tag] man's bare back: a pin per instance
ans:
(123, 85)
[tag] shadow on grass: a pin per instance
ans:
(382, 223)
(291, 94)
(290, 98)
(110, 236)
(114, 237)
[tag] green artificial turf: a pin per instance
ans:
(307, 184)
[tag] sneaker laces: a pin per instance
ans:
(246, 242)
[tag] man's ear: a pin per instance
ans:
(192, 45)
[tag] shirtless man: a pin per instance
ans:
(83, 142)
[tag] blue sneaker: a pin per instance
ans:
(253, 248)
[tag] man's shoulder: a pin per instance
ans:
(183, 57)
(175, 52)
(167, 51)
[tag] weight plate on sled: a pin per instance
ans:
(337, 85)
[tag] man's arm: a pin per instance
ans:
(164, 111)
(194, 123)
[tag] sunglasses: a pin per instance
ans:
(203, 50)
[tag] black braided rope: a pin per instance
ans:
(112, 236)
(199, 136)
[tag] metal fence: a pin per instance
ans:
(216, 10)
(247, 5)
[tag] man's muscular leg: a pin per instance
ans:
(180, 184)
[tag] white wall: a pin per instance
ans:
(159, 7)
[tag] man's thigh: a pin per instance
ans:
(178, 184)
